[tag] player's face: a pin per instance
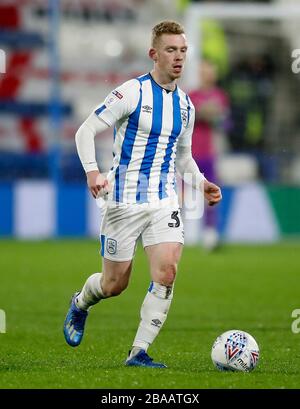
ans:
(170, 55)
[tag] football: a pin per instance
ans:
(235, 350)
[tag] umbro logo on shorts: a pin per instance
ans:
(111, 246)
(147, 108)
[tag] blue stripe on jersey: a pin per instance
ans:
(188, 108)
(127, 146)
(165, 167)
(144, 173)
(100, 109)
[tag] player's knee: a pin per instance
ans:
(116, 281)
(168, 274)
(112, 290)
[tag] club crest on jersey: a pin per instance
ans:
(111, 246)
(235, 346)
(117, 94)
(184, 117)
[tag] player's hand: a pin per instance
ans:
(97, 183)
(212, 193)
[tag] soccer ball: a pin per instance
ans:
(235, 350)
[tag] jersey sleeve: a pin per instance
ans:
(186, 137)
(121, 102)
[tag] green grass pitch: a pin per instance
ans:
(253, 288)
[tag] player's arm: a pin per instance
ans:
(189, 170)
(117, 104)
(85, 143)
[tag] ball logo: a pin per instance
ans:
(254, 357)
(235, 346)
(243, 364)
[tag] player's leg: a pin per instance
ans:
(163, 259)
(111, 282)
(117, 249)
(163, 241)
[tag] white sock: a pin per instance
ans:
(154, 312)
(91, 292)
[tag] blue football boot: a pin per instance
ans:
(143, 359)
(74, 323)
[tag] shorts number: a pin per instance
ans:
(175, 217)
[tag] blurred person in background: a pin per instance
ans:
(211, 120)
(153, 121)
(250, 86)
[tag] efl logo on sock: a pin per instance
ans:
(2, 322)
(2, 62)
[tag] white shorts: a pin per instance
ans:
(121, 227)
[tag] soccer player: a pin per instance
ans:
(153, 120)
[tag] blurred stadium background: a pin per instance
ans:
(63, 57)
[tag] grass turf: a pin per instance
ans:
(254, 288)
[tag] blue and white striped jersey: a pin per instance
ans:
(150, 122)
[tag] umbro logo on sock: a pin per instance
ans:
(156, 323)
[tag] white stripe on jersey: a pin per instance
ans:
(139, 147)
(167, 125)
(150, 122)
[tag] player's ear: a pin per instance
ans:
(153, 54)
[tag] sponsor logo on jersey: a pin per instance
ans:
(117, 94)
(111, 246)
(147, 108)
